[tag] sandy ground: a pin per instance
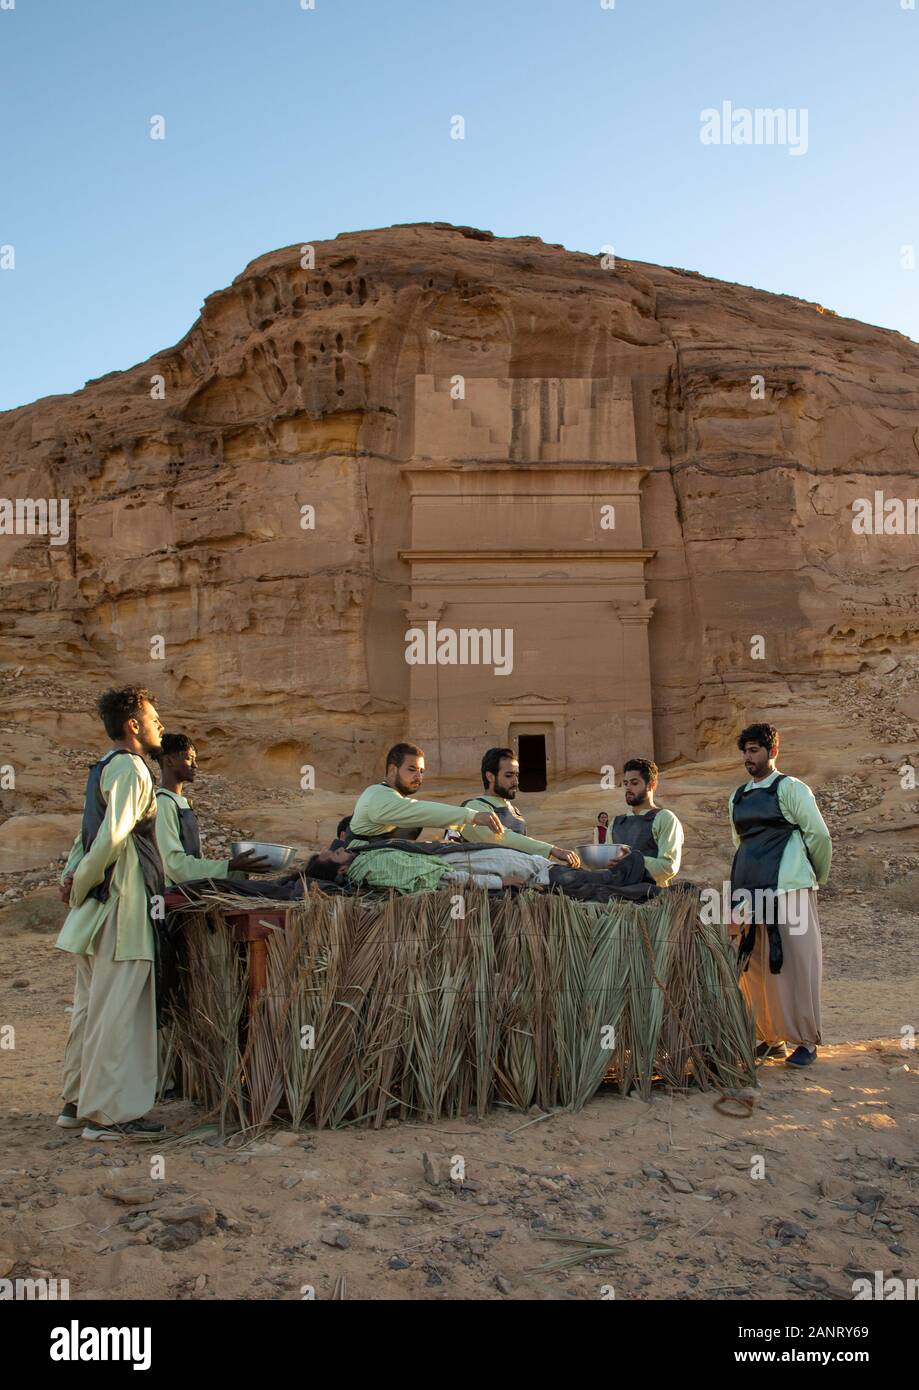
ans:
(671, 1186)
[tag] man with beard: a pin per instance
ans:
(501, 779)
(112, 875)
(388, 809)
(652, 830)
(177, 833)
(783, 854)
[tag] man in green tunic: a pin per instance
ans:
(653, 830)
(501, 779)
(177, 832)
(113, 871)
(387, 808)
(783, 856)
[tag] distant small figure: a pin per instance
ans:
(601, 829)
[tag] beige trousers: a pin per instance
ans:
(110, 1060)
(786, 1007)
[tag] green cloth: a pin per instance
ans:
(668, 837)
(180, 867)
(810, 837)
(511, 839)
(397, 868)
(128, 790)
(380, 810)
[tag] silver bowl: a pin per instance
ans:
(278, 856)
(600, 856)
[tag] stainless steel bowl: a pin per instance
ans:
(278, 856)
(600, 856)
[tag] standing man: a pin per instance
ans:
(651, 829)
(501, 778)
(113, 872)
(783, 853)
(388, 808)
(177, 832)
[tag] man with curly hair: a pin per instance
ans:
(783, 853)
(113, 878)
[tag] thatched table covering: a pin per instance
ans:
(388, 1006)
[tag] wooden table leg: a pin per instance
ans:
(258, 971)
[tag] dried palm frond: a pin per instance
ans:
(399, 1005)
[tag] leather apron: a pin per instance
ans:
(507, 814)
(635, 831)
(189, 832)
(764, 832)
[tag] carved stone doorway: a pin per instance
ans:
(535, 745)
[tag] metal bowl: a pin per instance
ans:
(278, 856)
(600, 856)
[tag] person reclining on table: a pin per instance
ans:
(415, 868)
(177, 832)
(388, 809)
(501, 779)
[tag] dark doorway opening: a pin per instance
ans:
(531, 754)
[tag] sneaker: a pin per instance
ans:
(766, 1050)
(67, 1119)
(122, 1131)
(94, 1131)
(802, 1057)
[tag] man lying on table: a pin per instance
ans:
(413, 868)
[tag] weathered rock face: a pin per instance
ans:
(735, 427)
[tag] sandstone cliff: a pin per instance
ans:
(187, 477)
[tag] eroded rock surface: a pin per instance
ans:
(187, 476)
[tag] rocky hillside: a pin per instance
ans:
(190, 566)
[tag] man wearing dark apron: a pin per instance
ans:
(501, 780)
(783, 854)
(114, 884)
(177, 832)
(651, 830)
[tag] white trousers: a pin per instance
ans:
(110, 1061)
(786, 1007)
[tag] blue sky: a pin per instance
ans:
(286, 125)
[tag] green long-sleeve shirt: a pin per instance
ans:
(806, 857)
(668, 838)
(381, 810)
(511, 839)
(180, 867)
(128, 790)
(398, 869)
